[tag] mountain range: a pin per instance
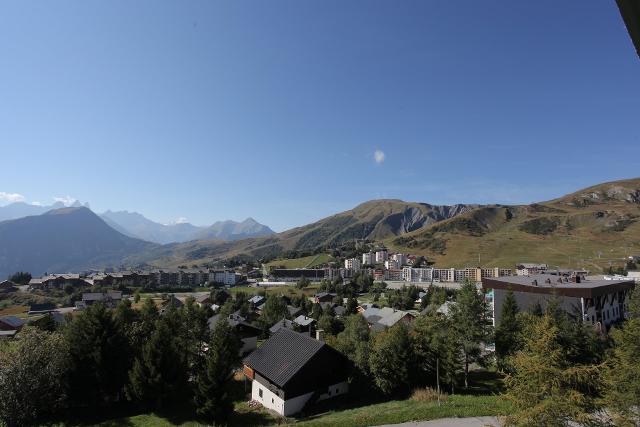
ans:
(62, 240)
(591, 228)
(136, 225)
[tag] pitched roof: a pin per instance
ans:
(12, 321)
(284, 323)
(42, 307)
(283, 355)
(303, 320)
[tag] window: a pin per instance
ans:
(272, 400)
(260, 392)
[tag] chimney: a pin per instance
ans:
(320, 334)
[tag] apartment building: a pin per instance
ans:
(381, 256)
(410, 274)
(528, 269)
(599, 302)
(368, 258)
(392, 263)
(352, 264)
(400, 259)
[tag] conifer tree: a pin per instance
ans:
(544, 386)
(99, 357)
(214, 381)
(471, 322)
(159, 375)
(508, 331)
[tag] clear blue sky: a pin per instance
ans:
(273, 109)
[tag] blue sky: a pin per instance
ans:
(213, 110)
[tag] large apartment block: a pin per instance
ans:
(475, 274)
(599, 302)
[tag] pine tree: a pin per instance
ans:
(159, 375)
(472, 324)
(544, 386)
(508, 331)
(214, 381)
(354, 342)
(99, 357)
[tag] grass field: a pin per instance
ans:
(355, 410)
(394, 411)
(14, 310)
(399, 411)
(304, 262)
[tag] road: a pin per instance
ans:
(451, 422)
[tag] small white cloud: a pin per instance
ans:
(378, 156)
(181, 220)
(66, 200)
(11, 197)
(36, 203)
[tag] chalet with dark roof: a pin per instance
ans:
(291, 371)
(247, 333)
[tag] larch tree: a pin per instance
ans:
(390, 360)
(621, 376)
(544, 386)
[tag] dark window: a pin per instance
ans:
(260, 392)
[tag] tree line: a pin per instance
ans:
(102, 358)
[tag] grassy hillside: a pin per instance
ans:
(589, 229)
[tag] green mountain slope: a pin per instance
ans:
(592, 228)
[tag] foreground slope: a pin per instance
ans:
(591, 228)
(61, 240)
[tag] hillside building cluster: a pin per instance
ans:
(179, 277)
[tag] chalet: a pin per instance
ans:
(7, 286)
(59, 281)
(204, 301)
(284, 323)
(172, 301)
(41, 308)
(304, 323)
(11, 323)
(256, 301)
(599, 302)
(291, 371)
(124, 278)
(381, 318)
(247, 333)
(109, 299)
(321, 297)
